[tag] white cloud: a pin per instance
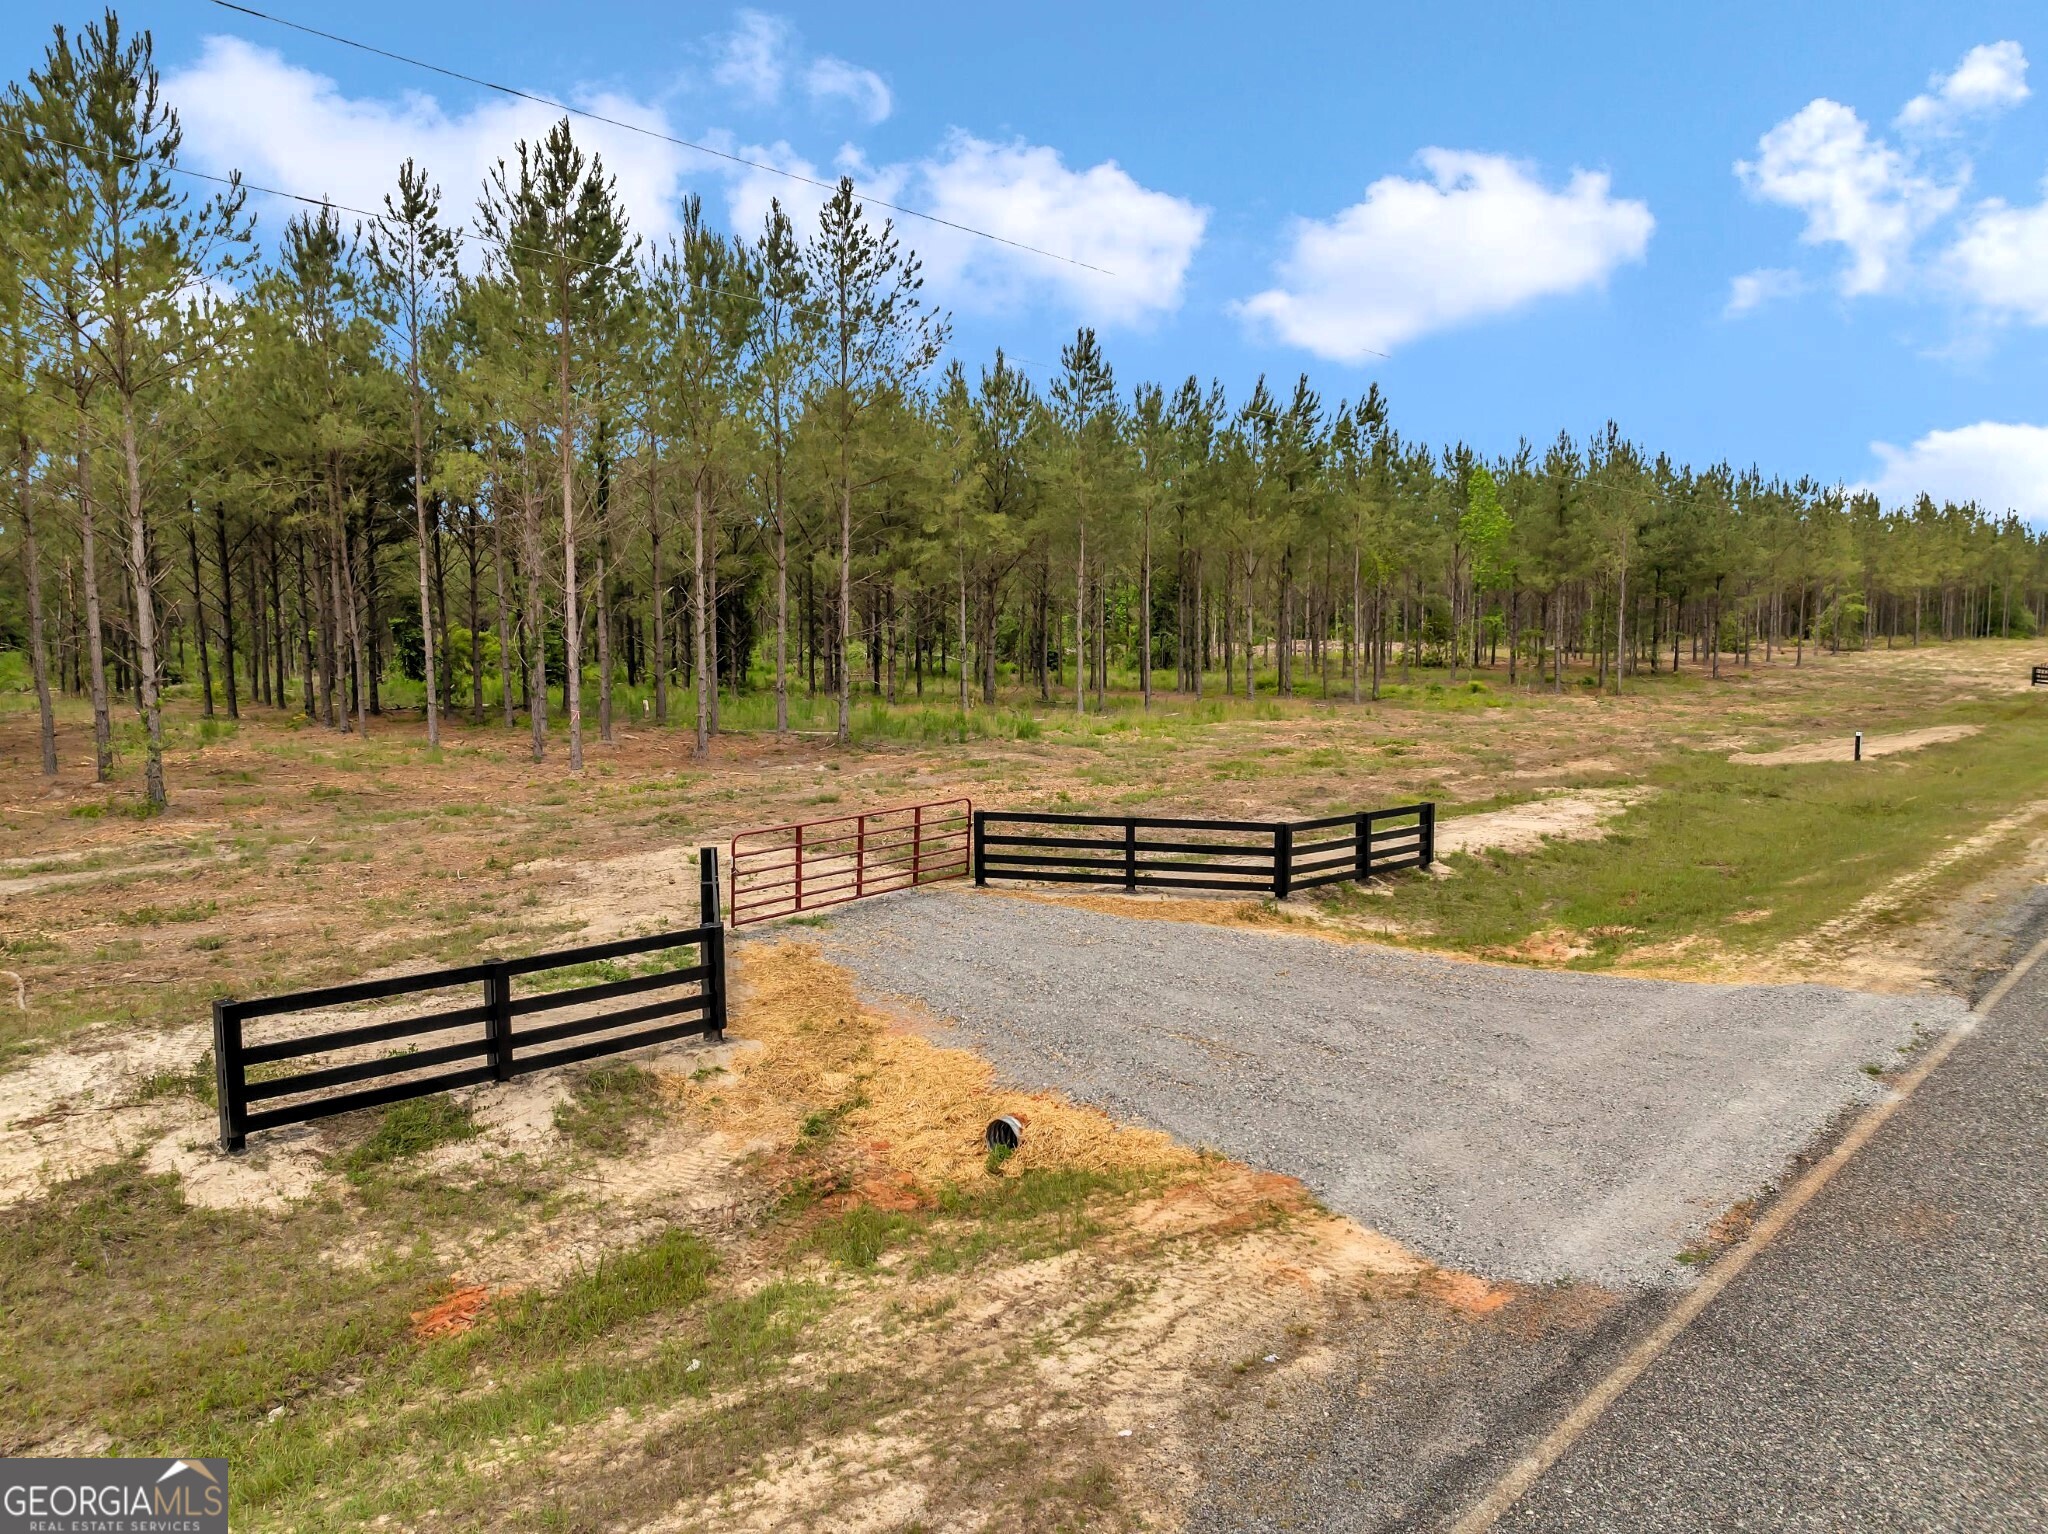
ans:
(1991, 77)
(2001, 466)
(762, 53)
(1139, 240)
(1752, 290)
(1482, 237)
(1999, 262)
(829, 80)
(1856, 191)
(752, 58)
(244, 106)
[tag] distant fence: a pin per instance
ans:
(1254, 856)
(783, 870)
(2041, 676)
(483, 1041)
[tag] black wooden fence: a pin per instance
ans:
(2041, 676)
(1254, 856)
(483, 1041)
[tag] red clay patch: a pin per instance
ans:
(453, 1316)
(1464, 1292)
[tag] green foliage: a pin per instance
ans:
(408, 1129)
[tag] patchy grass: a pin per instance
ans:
(609, 1108)
(137, 1314)
(157, 916)
(1039, 1213)
(1754, 855)
(410, 1128)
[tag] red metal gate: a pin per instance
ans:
(782, 870)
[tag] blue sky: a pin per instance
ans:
(1814, 238)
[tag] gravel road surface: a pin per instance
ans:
(1884, 1364)
(1522, 1124)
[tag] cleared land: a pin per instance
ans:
(755, 1287)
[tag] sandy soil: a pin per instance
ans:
(1578, 816)
(1844, 750)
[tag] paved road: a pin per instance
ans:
(1525, 1124)
(1882, 1366)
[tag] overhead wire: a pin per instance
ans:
(653, 133)
(667, 138)
(236, 181)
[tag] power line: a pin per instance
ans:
(235, 181)
(653, 133)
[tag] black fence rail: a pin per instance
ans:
(1254, 856)
(2041, 676)
(263, 1084)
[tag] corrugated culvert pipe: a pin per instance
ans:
(1005, 1133)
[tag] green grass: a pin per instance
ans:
(858, 1238)
(1022, 1218)
(408, 1129)
(157, 916)
(132, 1311)
(175, 1329)
(1716, 840)
(608, 1109)
(670, 1272)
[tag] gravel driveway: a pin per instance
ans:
(1523, 1124)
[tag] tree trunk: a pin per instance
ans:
(224, 559)
(963, 633)
(1145, 614)
(199, 609)
(504, 616)
(536, 631)
(845, 594)
(1081, 625)
(145, 615)
(95, 635)
(660, 599)
(306, 628)
(419, 521)
(782, 596)
(711, 602)
(572, 617)
(700, 588)
(32, 575)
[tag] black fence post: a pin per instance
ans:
(981, 848)
(1428, 829)
(713, 954)
(1130, 855)
(228, 1075)
(1283, 861)
(1362, 848)
(498, 1027)
(707, 887)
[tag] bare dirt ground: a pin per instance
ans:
(1845, 750)
(1581, 815)
(1109, 1281)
